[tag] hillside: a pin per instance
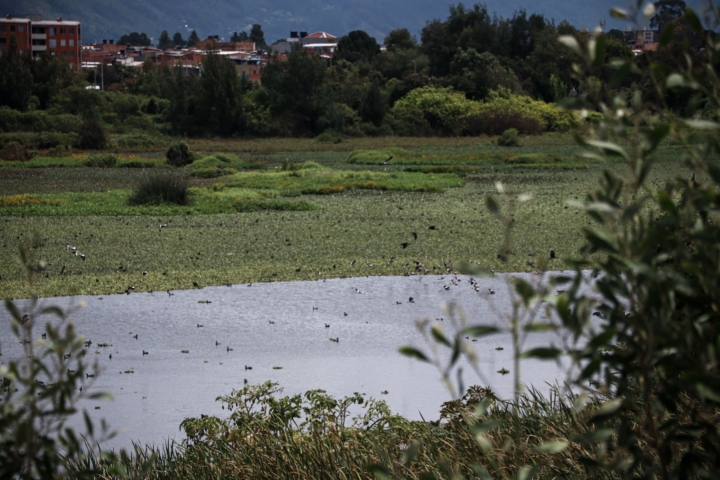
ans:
(110, 19)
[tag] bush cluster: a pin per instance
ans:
(101, 160)
(178, 154)
(160, 189)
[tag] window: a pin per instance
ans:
(12, 28)
(51, 31)
(63, 53)
(78, 30)
(72, 54)
(53, 43)
(21, 28)
(71, 30)
(38, 29)
(62, 31)
(3, 29)
(3, 41)
(72, 43)
(62, 42)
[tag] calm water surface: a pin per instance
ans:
(281, 325)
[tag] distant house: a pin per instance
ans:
(320, 43)
(213, 43)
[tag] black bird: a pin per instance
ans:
(245, 381)
(135, 337)
(315, 308)
(110, 356)
(530, 264)
(71, 371)
(203, 416)
(145, 353)
(411, 300)
(552, 254)
(170, 294)
(404, 244)
(271, 322)
(327, 325)
(217, 343)
(87, 375)
(414, 234)
(44, 335)
(228, 349)
(248, 368)
(431, 227)
(199, 325)
(345, 314)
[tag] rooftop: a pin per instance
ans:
(11, 19)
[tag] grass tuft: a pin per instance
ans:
(161, 189)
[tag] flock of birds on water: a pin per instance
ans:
(419, 268)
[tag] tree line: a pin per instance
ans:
(359, 90)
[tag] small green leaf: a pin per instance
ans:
(539, 327)
(702, 124)
(492, 206)
(438, 335)
(414, 353)
(556, 446)
(667, 34)
(479, 331)
(607, 410)
(543, 353)
(527, 472)
(410, 452)
(619, 13)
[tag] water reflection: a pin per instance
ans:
(199, 343)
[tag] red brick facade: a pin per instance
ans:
(60, 38)
(17, 28)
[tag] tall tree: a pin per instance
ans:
(296, 89)
(16, 80)
(135, 38)
(374, 106)
(400, 39)
(357, 45)
(177, 40)
(193, 39)
(257, 36)
(239, 37)
(220, 101)
(666, 11)
(164, 42)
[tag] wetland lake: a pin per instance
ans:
(282, 331)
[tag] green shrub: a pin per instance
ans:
(509, 138)
(329, 137)
(179, 155)
(443, 108)
(14, 151)
(101, 160)
(377, 157)
(159, 189)
(59, 151)
(92, 134)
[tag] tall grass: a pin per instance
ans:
(257, 447)
(161, 189)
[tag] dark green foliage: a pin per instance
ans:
(239, 37)
(161, 189)
(295, 91)
(509, 138)
(178, 154)
(16, 80)
(164, 42)
(218, 105)
(257, 36)
(193, 39)
(357, 45)
(101, 160)
(400, 39)
(374, 105)
(135, 39)
(92, 135)
(665, 12)
(14, 152)
(177, 40)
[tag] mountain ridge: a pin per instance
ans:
(106, 19)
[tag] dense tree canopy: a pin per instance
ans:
(135, 39)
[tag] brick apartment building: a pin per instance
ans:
(59, 37)
(19, 28)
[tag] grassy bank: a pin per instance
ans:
(330, 220)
